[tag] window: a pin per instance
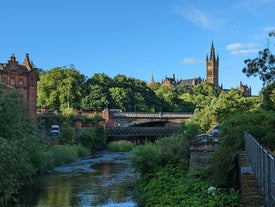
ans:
(12, 81)
(21, 82)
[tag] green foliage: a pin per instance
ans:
(263, 65)
(171, 186)
(68, 134)
(95, 100)
(268, 94)
(223, 161)
(17, 145)
(189, 130)
(221, 107)
(16, 168)
(146, 159)
(151, 157)
(93, 138)
(120, 146)
(60, 88)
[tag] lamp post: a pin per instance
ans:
(106, 103)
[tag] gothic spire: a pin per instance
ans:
(27, 62)
(212, 53)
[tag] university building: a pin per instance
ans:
(22, 77)
(212, 76)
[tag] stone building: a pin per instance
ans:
(22, 77)
(212, 76)
(245, 90)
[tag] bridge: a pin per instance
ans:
(125, 125)
(117, 118)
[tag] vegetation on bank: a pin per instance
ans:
(120, 146)
(24, 153)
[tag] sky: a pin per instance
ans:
(139, 38)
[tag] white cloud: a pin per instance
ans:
(239, 48)
(197, 17)
(269, 29)
(191, 61)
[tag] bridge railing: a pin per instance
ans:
(151, 115)
(263, 165)
(120, 132)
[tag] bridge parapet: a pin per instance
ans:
(122, 132)
(160, 115)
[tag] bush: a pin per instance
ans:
(120, 146)
(68, 134)
(146, 159)
(174, 149)
(149, 158)
(172, 187)
(260, 124)
(93, 138)
(61, 154)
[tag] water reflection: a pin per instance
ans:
(107, 183)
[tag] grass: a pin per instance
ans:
(120, 146)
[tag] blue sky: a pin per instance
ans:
(138, 38)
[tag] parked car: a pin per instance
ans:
(207, 138)
(55, 131)
(203, 138)
(216, 129)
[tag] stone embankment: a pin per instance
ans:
(250, 190)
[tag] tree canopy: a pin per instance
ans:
(263, 65)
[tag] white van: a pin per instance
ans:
(55, 130)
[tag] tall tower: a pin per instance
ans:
(212, 67)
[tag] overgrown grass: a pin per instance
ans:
(61, 154)
(172, 187)
(120, 146)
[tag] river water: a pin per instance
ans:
(104, 181)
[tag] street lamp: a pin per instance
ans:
(106, 103)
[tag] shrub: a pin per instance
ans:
(68, 134)
(260, 124)
(146, 159)
(120, 146)
(172, 187)
(174, 149)
(149, 158)
(61, 154)
(93, 138)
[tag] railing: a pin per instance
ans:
(263, 165)
(120, 132)
(151, 115)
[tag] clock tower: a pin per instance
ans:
(212, 67)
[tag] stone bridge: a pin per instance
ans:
(117, 118)
(138, 125)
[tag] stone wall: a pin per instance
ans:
(250, 191)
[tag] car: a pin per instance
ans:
(216, 129)
(55, 130)
(203, 138)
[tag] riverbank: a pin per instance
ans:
(104, 181)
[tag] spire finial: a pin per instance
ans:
(27, 62)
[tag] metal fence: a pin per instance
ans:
(263, 166)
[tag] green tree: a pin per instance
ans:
(60, 88)
(95, 100)
(18, 145)
(121, 98)
(268, 94)
(263, 65)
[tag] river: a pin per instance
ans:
(104, 181)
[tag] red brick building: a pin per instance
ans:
(22, 77)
